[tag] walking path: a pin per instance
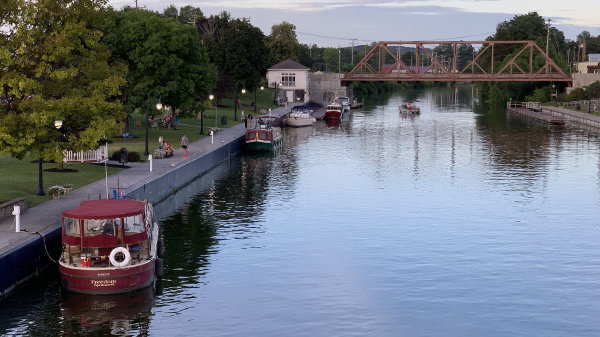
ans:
(582, 117)
(47, 217)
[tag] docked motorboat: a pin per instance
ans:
(345, 101)
(110, 246)
(299, 116)
(264, 134)
(409, 108)
(334, 111)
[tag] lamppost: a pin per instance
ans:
(211, 97)
(236, 100)
(276, 93)
(158, 107)
(57, 124)
(255, 101)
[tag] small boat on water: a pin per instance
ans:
(300, 116)
(264, 134)
(110, 246)
(410, 108)
(334, 111)
(345, 101)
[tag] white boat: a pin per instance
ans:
(299, 117)
(345, 101)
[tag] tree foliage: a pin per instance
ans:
(240, 54)
(185, 15)
(164, 58)
(331, 58)
(56, 68)
(282, 43)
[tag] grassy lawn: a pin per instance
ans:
(20, 177)
(190, 126)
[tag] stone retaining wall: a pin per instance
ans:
(7, 208)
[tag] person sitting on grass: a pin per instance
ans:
(169, 149)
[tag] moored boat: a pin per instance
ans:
(264, 134)
(345, 101)
(409, 108)
(334, 111)
(299, 116)
(110, 246)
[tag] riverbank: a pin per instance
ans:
(24, 254)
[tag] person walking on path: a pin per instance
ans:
(245, 119)
(184, 145)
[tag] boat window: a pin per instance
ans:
(97, 227)
(72, 227)
(262, 136)
(134, 224)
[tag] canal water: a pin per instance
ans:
(461, 221)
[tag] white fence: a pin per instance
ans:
(526, 105)
(96, 155)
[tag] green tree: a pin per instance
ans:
(240, 54)
(331, 58)
(161, 55)
(185, 15)
(171, 12)
(282, 43)
(56, 68)
(305, 56)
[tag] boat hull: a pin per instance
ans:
(107, 280)
(299, 122)
(333, 114)
(263, 145)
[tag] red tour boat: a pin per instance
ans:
(334, 111)
(110, 246)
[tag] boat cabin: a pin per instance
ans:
(91, 232)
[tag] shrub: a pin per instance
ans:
(577, 94)
(133, 156)
(116, 156)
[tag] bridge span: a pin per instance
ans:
(496, 61)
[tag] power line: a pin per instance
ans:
(332, 37)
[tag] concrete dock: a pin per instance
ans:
(537, 116)
(24, 254)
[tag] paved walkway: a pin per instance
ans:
(583, 117)
(47, 216)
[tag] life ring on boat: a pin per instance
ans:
(123, 263)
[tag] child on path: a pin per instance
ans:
(184, 145)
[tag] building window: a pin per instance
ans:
(288, 79)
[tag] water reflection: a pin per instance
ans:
(489, 221)
(117, 315)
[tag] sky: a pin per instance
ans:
(335, 23)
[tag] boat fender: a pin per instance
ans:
(159, 268)
(123, 263)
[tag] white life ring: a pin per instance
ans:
(114, 252)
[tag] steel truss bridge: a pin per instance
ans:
(496, 61)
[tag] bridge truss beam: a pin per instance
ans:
(495, 61)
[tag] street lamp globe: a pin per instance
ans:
(159, 105)
(243, 90)
(58, 124)
(211, 97)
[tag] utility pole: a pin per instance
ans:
(339, 60)
(548, 41)
(353, 51)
